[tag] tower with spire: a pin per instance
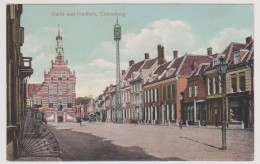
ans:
(56, 96)
(59, 48)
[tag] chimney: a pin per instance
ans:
(160, 54)
(146, 55)
(209, 50)
(248, 39)
(123, 72)
(131, 62)
(175, 54)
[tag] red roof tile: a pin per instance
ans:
(148, 64)
(134, 68)
(33, 88)
(200, 69)
(191, 62)
(161, 68)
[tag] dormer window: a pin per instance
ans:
(167, 72)
(237, 57)
(150, 78)
(215, 60)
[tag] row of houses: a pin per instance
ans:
(156, 91)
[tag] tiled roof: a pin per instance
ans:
(191, 62)
(134, 68)
(161, 68)
(33, 88)
(83, 100)
(148, 63)
(229, 57)
(233, 47)
(250, 54)
(182, 66)
(200, 69)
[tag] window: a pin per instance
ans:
(242, 82)
(39, 102)
(154, 90)
(144, 96)
(216, 84)
(163, 93)
(237, 57)
(155, 94)
(59, 76)
(51, 76)
(68, 76)
(149, 96)
(215, 60)
(196, 90)
(59, 88)
(69, 102)
(190, 91)
(234, 82)
(168, 92)
(50, 102)
(210, 86)
(167, 72)
(50, 90)
(69, 88)
(152, 100)
(173, 91)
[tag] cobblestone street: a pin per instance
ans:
(108, 141)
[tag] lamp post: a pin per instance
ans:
(80, 113)
(221, 68)
(181, 98)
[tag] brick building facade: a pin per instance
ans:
(56, 96)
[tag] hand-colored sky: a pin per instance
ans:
(88, 40)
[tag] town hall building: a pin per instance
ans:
(55, 97)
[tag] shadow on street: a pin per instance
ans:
(77, 146)
(199, 142)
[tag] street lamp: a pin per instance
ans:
(80, 112)
(181, 98)
(221, 68)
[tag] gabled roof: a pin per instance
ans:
(134, 68)
(199, 70)
(148, 63)
(83, 100)
(192, 62)
(229, 52)
(33, 88)
(182, 66)
(159, 70)
(232, 48)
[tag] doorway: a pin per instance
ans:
(60, 119)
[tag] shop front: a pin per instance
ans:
(214, 106)
(238, 108)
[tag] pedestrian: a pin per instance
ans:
(80, 121)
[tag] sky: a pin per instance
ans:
(88, 40)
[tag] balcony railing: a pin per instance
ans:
(26, 66)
